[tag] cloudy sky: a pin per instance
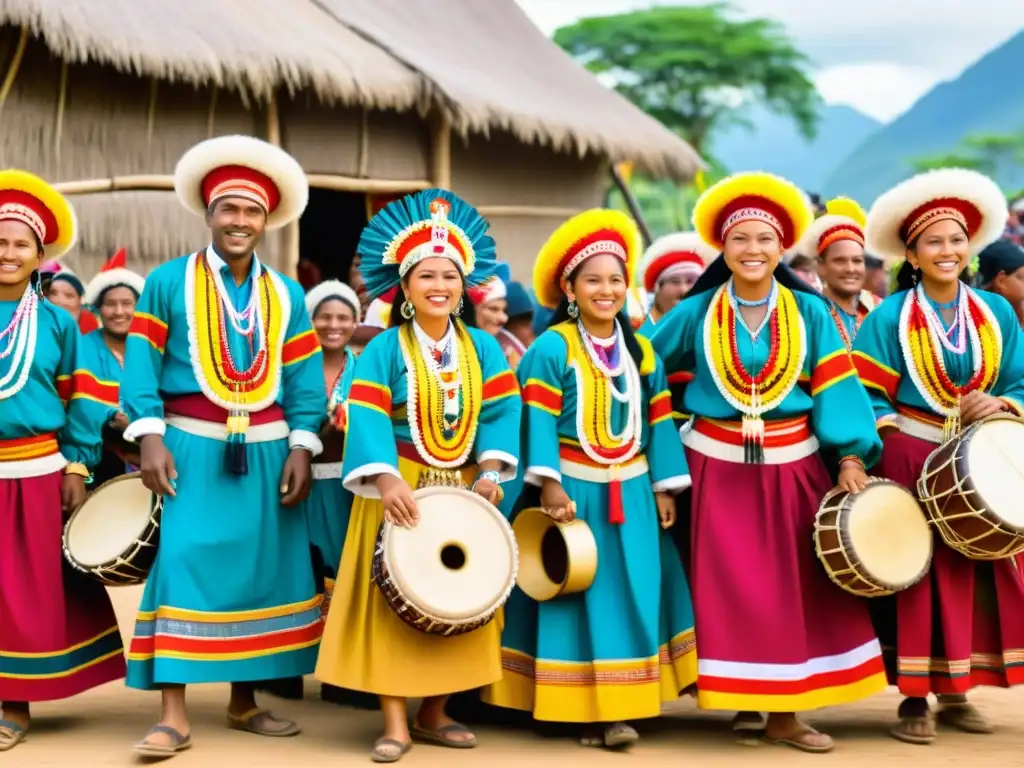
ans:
(878, 56)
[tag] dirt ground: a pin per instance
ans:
(98, 729)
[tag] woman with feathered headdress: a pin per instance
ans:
(772, 384)
(444, 394)
(600, 446)
(936, 356)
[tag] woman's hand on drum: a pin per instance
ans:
(399, 505)
(158, 472)
(852, 477)
(489, 489)
(556, 502)
(666, 509)
(72, 492)
(977, 405)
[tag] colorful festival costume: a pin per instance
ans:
(58, 633)
(329, 504)
(402, 388)
(603, 429)
(775, 634)
(963, 624)
(844, 220)
(232, 377)
(117, 456)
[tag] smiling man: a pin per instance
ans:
(837, 239)
(113, 293)
(224, 388)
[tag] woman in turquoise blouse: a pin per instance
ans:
(773, 383)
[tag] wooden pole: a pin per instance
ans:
(288, 240)
(14, 66)
(545, 211)
(166, 182)
(441, 150)
(631, 203)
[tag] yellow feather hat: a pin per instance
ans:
(845, 206)
(591, 233)
(27, 198)
(843, 219)
(748, 196)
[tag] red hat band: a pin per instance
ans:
(755, 208)
(948, 209)
(29, 210)
(658, 266)
(605, 241)
(837, 233)
(239, 181)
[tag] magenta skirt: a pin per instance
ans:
(58, 633)
(774, 634)
(962, 625)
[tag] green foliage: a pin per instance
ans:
(988, 153)
(692, 67)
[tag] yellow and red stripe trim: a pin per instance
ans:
(23, 448)
(500, 385)
(300, 347)
(660, 408)
(831, 369)
(370, 394)
(876, 375)
(539, 394)
(150, 329)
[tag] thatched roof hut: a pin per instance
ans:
(374, 97)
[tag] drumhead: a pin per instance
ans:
(890, 534)
(459, 562)
(109, 521)
(995, 457)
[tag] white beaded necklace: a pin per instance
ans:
(22, 335)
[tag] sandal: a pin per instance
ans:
(749, 721)
(964, 717)
(902, 732)
(441, 737)
(11, 734)
(619, 735)
(389, 750)
(797, 740)
(260, 722)
(179, 743)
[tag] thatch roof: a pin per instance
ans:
(482, 61)
(253, 46)
(495, 68)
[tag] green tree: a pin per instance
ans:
(989, 153)
(693, 67)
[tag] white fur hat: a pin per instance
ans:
(967, 197)
(332, 289)
(112, 278)
(242, 166)
(667, 251)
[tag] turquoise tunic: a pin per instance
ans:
(329, 504)
(366, 645)
(63, 394)
(232, 594)
(625, 645)
(830, 395)
(878, 353)
(108, 370)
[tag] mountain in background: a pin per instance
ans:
(986, 98)
(775, 145)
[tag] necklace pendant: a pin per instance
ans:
(753, 430)
(951, 426)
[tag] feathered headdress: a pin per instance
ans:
(113, 274)
(843, 219)
(427, 224)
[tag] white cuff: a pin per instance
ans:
(509, 464)
(537, 475)
(359, 482)
(303, 438)
(150, 425)
(673, 485)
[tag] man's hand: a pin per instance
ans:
(158, 472)
(296, 479)
(72, 493)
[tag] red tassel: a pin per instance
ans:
(616, 515)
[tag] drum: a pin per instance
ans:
(113, 535)
(873, 543)
(554, 558)
(972, 487)
(451, 573)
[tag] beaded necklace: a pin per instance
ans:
(923, 337)
(755, 394)
(21, 334)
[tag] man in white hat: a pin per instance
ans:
(225, 393)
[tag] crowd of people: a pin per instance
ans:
(280, 427)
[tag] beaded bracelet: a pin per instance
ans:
(488, 474)
(854, 458)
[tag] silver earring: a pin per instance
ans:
(408, 310)
(458, 308)
(573, 310)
